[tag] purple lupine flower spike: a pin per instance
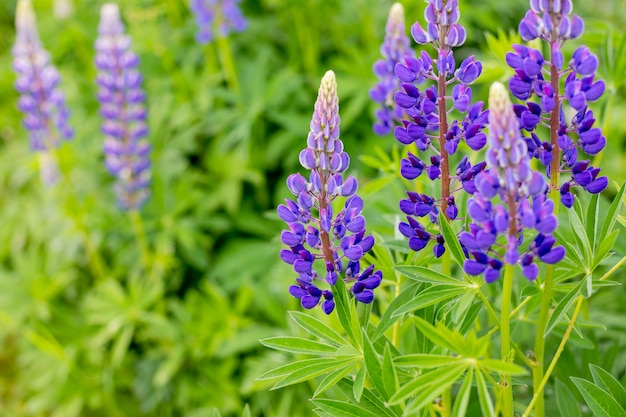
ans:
(123, 110)
(509, 177)
(42, 102)
(317, 236)
(554, 23)
(217, 18)
(437, 99)
(395, 46)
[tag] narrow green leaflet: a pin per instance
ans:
(579, 233)
(388, 318)
(605, 380)
(299, 345)
(246, 411)
(317, 328)
(342, 409)
(372, 363)
(427, 386)
(462, 398)
(389, 375)
(370, 401)
(592, 219)
(452, 243)
(430, 296)
(346, 312)
(611, 216)
(312, 371)
(426, 360)
(567, 403)
(332, 379)
(599, 401)
(497, 365)
(486, 405)
(359, 384)
(423, 274)
(562, 307)
(294, 366)
(439, 335)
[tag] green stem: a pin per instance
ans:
(546, 301)
(228, 64)
(140, 235)
(539, 388)
(505, 336)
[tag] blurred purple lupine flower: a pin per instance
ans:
(552, 22)
(217, 18)
(315, 235)
(393, 49)
(446, 92)
(122, 108)
(509, 177)
(42, 102)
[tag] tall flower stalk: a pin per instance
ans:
(552, 22)
(216, 19)
(316, 236)
(41, 101)
(521, 206)
(395, 46)
(122, 107)
(429, 124)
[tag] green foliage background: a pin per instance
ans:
(79, 338)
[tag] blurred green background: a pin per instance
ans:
(82, 339)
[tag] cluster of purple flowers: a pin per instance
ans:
(315, 234)
(123, 110)
(552, 22)
(427, 103)
(42, 102)
(510, 177)
(217, 18)
(394, 48)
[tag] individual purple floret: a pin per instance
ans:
(42, 102)
(122, 108)
(395, 46)
(217, 18)
(536, 76)
(443, 93)
(522, 203)
(316, 237)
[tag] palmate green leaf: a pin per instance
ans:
(423, 274)
(388, 319)
(312, 371)
(567, 403)
(317, 328)
(562, 307)
(338, 408)
(462, 398)
(427, 386)
(484, 398)
(605, 380)
(599, 401)
(430, 296)
(427, 360)
(299, 345)
(614, 211)
(452, 243)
